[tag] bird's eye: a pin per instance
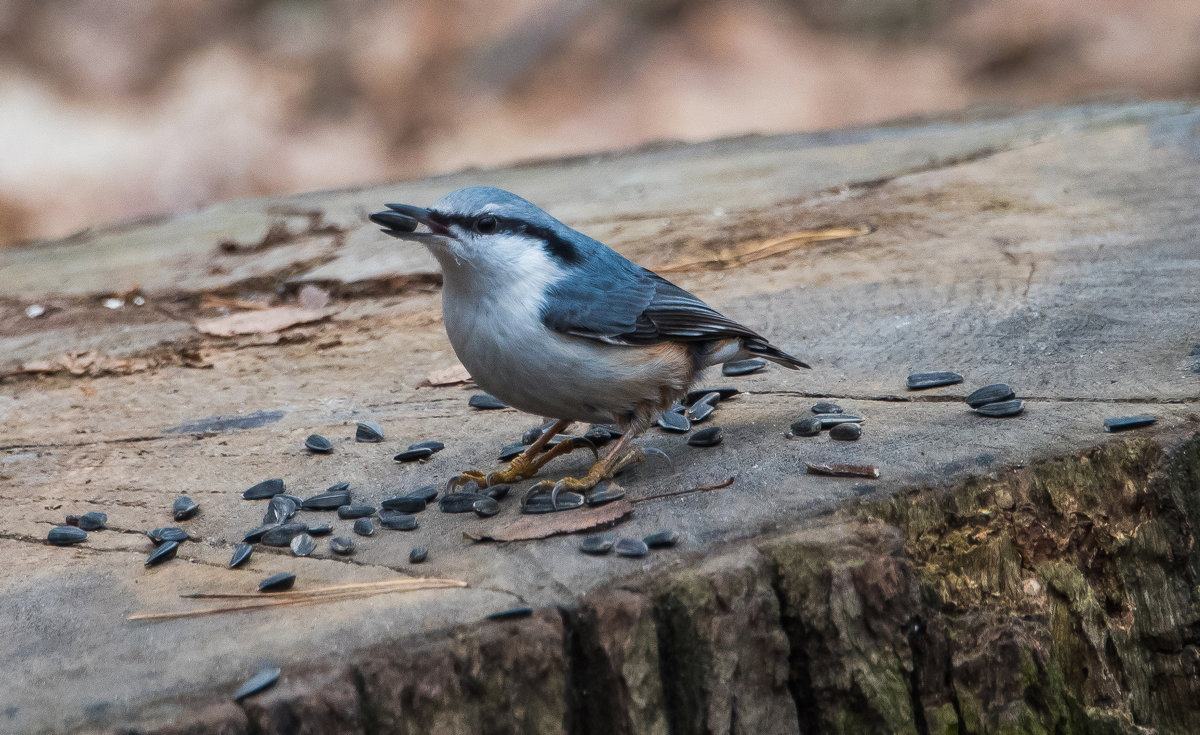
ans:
(486, 224)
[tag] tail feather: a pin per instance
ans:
(774, 354)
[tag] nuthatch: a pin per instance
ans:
(555, 323)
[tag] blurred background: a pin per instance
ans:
(115, 109)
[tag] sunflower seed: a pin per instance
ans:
(404, 504)
(254, 536)
(499, 491)
(168, 533)
(257, 683)
(365, 526)
(1124, 423)
(338, 487)
(511, 614)
(418, 555)
(700, 410)
(596, 545)
(328, 500)
(319, 444)
(743, 367)
(303, 545)
(510, 451)
(283, 535)
(264, 489)
(830, 420)
(486, 402)
(605, 492)
(661, 540)
(599, 435)
(532, 435)
(184, 508)
(66, 535)
(414, 455)
(320, 529)
(93, 521)
(672, 421)
(433, 446)
(724, 392)
(806, 427)
(164, 552)
(542, 503)
(486, 508)
(350, 512)
(1001, 409)
(396, 521)
(280, 509)
(241, 554)
(846, 432)
(428, 492)
(368, 431)
(631, 547)
(921, 381)
(277, 582)
(989, 394)
(826, 407)
(342, 545)
(463, 502)
(709, 437)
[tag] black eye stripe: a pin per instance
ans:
(562, 249)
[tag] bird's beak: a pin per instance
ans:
(402, 220)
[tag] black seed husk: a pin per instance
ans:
(921, 381)
(596, 545)
(168, 533)
(418, 555)
(605, 492)
(413, 455)
(826, 407)
(368, 431)
(280, 509)
(433, 446)
(254, 536)
(404, 504)
(342, 545)
(264, 489)
(397, 521)
(499, 491)
(277, 582)
(350, 512)
(257, 683)
(283, 535)
(631, 547)
(599, 435)
(806, 427)
(1125, 423)
(365, 526)
(486, 402)
(709, 437)
(725, 392)
(672, 421)
(66, 535)
(845, 432)
(510, 451)
(486, 508)
(328, 500)
(320, 529)
(184, 508)
(93, 521)
(511, 614)
(318, 443)
(459, 502)
(1001, 409)
(241, 554)
(700, 410)
(165, 551)
(661, 540)
(989, 394)
(303, 545)
(428, 492)
(743, 367)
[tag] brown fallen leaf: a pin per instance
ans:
(752, 250)
(264, 321)
(455, 374)
(838, 469)
(543, 525)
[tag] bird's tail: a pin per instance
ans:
(773, 353)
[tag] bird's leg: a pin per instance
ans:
(617, 459)
(527, 463)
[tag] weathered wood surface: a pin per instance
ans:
(1056, 250)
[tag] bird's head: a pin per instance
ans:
(483, 227)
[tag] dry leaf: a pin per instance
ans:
(456, 374)
(260, 322)
(838, 469)
(541, 525)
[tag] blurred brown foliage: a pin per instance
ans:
(111, 109)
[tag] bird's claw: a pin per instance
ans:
(458, 482)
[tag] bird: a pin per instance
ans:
(557, 324)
